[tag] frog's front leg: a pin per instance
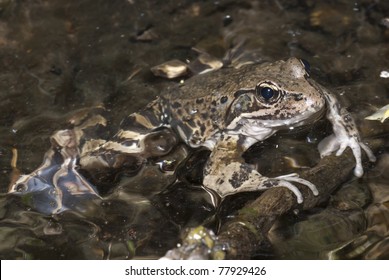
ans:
(226, 172)
(345, 134)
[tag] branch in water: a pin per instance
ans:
(246, 233)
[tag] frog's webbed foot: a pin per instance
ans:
(287, 182)
(294, 177)
(345, 135)
(338, 143)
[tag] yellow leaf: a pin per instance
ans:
(381, 115)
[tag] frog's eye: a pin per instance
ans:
(267, 92)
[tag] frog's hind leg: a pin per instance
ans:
(141, 135)
(240, 177)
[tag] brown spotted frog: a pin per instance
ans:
(227, 111)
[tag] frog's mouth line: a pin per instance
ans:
(290, 123)
(260, 128)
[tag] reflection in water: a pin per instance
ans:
(56, 185)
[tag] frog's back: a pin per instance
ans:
(202, 86)
(197, 108)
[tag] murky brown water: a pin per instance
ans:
(58, 57)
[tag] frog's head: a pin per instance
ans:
(281, 96)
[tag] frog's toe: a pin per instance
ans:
(328, 145)
(341, 149)
(294, 178)
(333, 143)
(368, 152)
(356, 147)
(285, 181)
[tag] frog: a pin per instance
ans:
(227, 111)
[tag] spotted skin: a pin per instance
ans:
(227, 111)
